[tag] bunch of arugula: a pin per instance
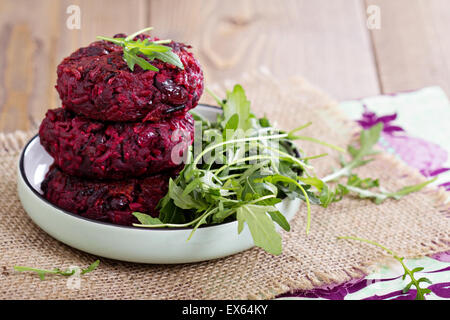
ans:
(246, 167)
(134, 51)
(251, 167)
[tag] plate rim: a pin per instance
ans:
(24, 177)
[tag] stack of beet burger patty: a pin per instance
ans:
(120, 134)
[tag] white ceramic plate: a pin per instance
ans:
(162, 246)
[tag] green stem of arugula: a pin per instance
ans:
(230, 176)
(279, 136)
(233, 210)
(368, 193)
(132, 36)
(228, 200)
(308, 205)
(345, 171)
(210, 148)
(315, 157)
(202, 220)
(177, 225)
(262, 198)
(317, 141)
(257, 157)
(165, 41)
(393, 254)
(174, 225)
(306, 125)
(287, 155)
(370, 242)
(243, 167)
(118, 42)
(199, 220)
(212, 94)
(252, 169)
(302, 164)
(20, 268)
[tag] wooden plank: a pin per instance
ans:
(323, 41)
(327, 42)
(412, 46)
(24, 77)
(36, 39)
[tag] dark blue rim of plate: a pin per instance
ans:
(40, 196)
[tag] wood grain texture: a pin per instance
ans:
(27, 50)
(325, 41)
(36, 39)
(412, 46)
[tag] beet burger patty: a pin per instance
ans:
(112, 201)
(96, 82)
(114, 150)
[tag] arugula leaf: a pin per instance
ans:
(184, 201)
(146, 219)
(279, 218)
(231, 124)
(367, 183)
(169, 212)
(328, 196)
(67, 273)
(313, 181)
(255, 187)
(360, 187)
(409, 189)
(261, 226)
(264, 122)
(379, 197)
(421, 292)
(91, 267)
(130, 56)
(237, 106)
(150, 49)
(167, 56)
(367, 140)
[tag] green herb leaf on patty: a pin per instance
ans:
(134, 49)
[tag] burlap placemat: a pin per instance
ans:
(414, 226)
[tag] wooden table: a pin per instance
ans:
(326, 41)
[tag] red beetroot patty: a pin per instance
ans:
(112, 201)
(96, 82)
(114, 150)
